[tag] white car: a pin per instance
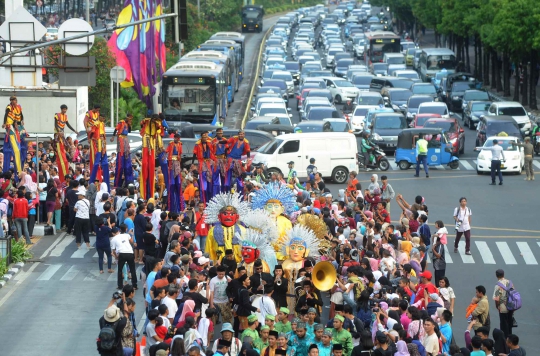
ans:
(52, 34)
(341, 89)
(514, 109)
(359, 116)
(287, 77)
(272, 110)
(514, 158)
(434, 108)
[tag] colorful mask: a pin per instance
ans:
(228, 217)
(249, 253)
(274, 208)
(297, 250)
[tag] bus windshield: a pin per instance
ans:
(438, 62)
(251, 14)
(378, 49)
(189, 100)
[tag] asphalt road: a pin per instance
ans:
(53, 306)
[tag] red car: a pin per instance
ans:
(420, 120)
(454, 132)
(303, 95)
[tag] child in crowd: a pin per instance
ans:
(441, 233)
(471, 308)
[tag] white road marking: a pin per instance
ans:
(57, 252)
(19, 282)
(536, 164)
(70, 274)
(464, 257)
(467, 165)
(447, 256)
(113, 276)
(504, 249)
(438, 167)
(84, 250)
(49, 272)
(527, 253)
(56, 242)
(485, 252)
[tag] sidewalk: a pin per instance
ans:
(428, 40)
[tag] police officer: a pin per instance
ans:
(421, 155)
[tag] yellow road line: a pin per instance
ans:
(254, 85)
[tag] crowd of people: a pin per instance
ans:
(284, 266)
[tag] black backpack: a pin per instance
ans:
(107, 336)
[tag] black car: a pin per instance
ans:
(474, 111)
(256, 138)
(491, 125)
(320, 113)
(395, 98)
(377, 83)
(474, 95)
(386, 127)
(456, 85)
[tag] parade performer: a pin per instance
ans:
(237, 146)
(162, 156)
(151, 133)
(124, 170)
(90, 119)
(13, 119)
(60, 143)
(276, 200)
(225, 211)
(174, 172)
(204, 153)
(300, 243)
(222, 166)
(255, 246)
(101, 160)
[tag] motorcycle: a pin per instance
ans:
(377, 159)
(536, 143)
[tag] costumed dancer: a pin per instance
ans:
(13, 119)
(204, 153)
(124, 170)
(162, 156)
(255, 245)
(220, 177)
(174, 172)
(238, 146)
(101, 160)
(152, 144)
(60, 123)
(300, 243)
(225, 211)
(90, 119)
(276, 200)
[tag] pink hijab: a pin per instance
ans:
(189, 305)
(28, 183)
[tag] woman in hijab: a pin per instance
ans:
(374, 184)
(189, 305)
(175, 229)
(191, 334)
(402, 349)
(26, 180)
(500, 342)
(415, 261)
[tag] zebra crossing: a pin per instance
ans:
(494, 253)
(464, 165)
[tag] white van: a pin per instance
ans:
(334, 152)
(514, 109)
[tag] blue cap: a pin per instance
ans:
(114, 230)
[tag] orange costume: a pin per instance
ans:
(174, 157)
(90, 119)
(204, 151)
(60, 144)
(151, 129)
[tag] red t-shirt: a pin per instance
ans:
(20, 208)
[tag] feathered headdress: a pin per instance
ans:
(221, 201)
(259, 220)
(272, 192)
(257, 240)
(302, 235)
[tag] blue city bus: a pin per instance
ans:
(218, 58)
(194, 91)
(241, 40)
(229, 51)
(237, 48)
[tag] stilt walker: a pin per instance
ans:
(60, 123)
(238, 146)
(124, 170)
(152, 144)
(204, 152)
(90, 119)
(162, 157)
(101, 160)
(12, 143)
(220, 177)
(174, 156)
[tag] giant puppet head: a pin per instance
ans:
(275, 200)
(300, 243)
(225, 208)
(228, 216)
(250, 252)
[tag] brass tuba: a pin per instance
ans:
(324, 276)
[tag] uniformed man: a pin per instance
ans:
(342, 336)
(325, 347)
(60, 122)
(421, 155)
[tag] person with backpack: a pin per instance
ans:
(505, 297)
(111, 326)
(462, 216)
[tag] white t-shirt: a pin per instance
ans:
(83, 209)
(171, 305)
(99, 208)
(342, 239)
(166, 322)
(204, 325)
(266, 305)
(218, 287)
(431, 344)
(463, 215)
(120, 243)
